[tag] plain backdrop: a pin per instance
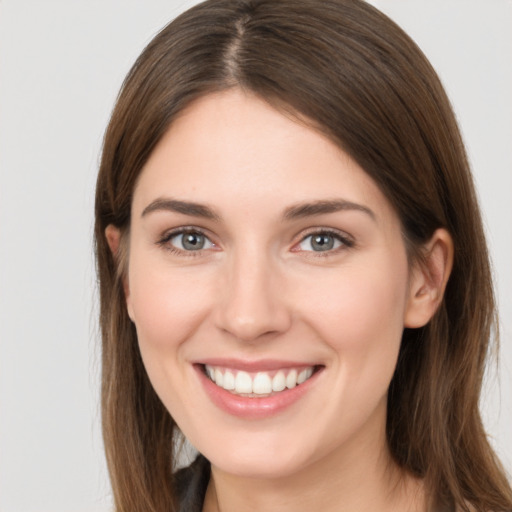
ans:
(61, 65)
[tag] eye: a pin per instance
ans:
(323, 241)
(188, 241)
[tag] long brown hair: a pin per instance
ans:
(359, 78)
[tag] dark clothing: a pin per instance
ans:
(191, 483)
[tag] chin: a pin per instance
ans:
(263, 459)
(261, 467)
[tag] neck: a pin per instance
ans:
(357, 478)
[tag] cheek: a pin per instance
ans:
(359, 313)
(167, 306)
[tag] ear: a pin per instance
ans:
(428, 279)
(113, 236)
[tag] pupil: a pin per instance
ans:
(193, 241)
(322, 242)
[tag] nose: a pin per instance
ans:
(251, 305)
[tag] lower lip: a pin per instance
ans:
(254, 407)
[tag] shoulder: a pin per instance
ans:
(190, 484)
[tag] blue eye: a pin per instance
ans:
(189, 241)
(323, 242)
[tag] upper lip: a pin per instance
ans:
(256, 365)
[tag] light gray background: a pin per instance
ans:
(61, 65)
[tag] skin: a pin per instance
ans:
(259, 290)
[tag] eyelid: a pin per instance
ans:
(167, 236)
(346, 240)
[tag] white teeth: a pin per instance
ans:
(219, 378)
(304, 375)
(243, 383)
(291, 379)
(262, 384)
(229, 381)
(279, 381)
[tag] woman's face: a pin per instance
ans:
(263, 258)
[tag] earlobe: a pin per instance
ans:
(428, 280)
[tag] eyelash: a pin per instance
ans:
(165, 239)
(346, 242)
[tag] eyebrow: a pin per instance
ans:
(184, 207)
(298, 211)
(310, 209)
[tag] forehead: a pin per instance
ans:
(233, 149)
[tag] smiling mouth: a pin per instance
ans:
(258, 384)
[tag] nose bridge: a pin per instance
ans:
(250, 306)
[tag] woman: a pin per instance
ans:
(293, 271)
